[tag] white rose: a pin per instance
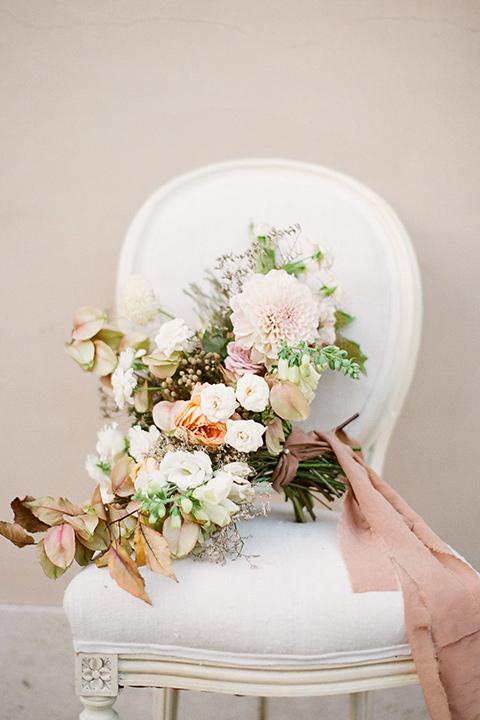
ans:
(244, 435)
(186, 470)
(142, 441)
(252, 392)
(218, 402)
(174, 336)
(110, 444)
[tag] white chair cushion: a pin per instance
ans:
(294, 606)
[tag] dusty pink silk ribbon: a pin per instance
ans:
(386, 544)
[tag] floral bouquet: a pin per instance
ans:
(209, 412)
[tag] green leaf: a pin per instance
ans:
(215, 342)
(342, 319)
(353, 351)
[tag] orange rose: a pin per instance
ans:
(191, 424)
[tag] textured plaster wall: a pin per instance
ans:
(104, 101)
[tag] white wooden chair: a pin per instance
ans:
(290, 626)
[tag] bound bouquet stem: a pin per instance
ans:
(209, 412)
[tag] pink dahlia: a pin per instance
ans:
(272, 308)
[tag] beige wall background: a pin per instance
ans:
(104, 101)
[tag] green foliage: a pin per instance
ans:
(352, 351)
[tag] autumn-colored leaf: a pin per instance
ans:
(181, 540)
(16, 534)
(155, 549)
(125, 572)
(52, 510)
(122, 483)
(98, 540)
(84, 525)
(52, 571)
(24, 516)
(102, 560)
(59, 545)
(139, 544)
(96, 503)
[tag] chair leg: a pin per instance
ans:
(262, 708)
(361, 705)
(165, 703)
(98, 708)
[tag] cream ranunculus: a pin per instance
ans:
(272, 308)
(218, 402)
(174, 336)
(186, 469)
(244, 435)
(142, 441)
(252, 392)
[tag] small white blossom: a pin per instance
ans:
(174, 336)
(123, 379)
(142, 441)
(218, 402)
(149, 477)
(244, 435)
(92, 466)
(216, 489)
(217, 513)
(326, 329)
(252, 392)
(138, 300)
(186, 469)
(111, 443)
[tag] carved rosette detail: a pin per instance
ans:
(97, 675)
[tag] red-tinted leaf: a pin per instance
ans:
(52, 571)
(125, 572)
(16, 534)
(25, 517)
(59, 545)
(87, 321)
